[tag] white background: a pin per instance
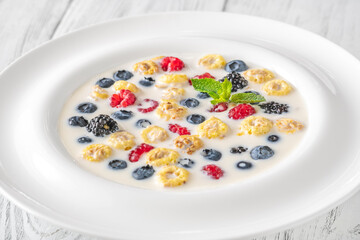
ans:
(25, 24)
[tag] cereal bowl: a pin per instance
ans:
(39, 174)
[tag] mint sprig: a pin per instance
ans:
(206, 85)
(221, 92)
(246, 98)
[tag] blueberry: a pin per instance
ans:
(261, 152)
(86, 107)
(147, 81)
(105, 82)
(143, 172)
(195, 118)
(143, 123)
(78, 121)
(122, 75)
(244, 165)
(84, 140)
(117, 164)
(203, 95)
(211, 154)
(186, 162)
(254, 92)
(122, 115)
(189, 102)
(273, 138)
(236, 66)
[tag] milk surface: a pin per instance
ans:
(197, 180)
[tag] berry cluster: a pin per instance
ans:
(122, 99)
(172, 64)
(239, 149)
(241, 111)
(176, 128)
(213, 171)
(202, 76)
(237, 81)
(205, 75)
(135, 154)
(153, 105)
(274, 107)
(220, 107)
(102, 125)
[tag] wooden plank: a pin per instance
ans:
(338, 21)
(26, 24)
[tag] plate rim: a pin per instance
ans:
(28, 205)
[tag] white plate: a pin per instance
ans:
(37, 173)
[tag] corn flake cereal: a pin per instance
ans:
(212, 128)
(122, 140)
(288, 125)
(121, 84)
(173, 79)
(188, 143)
(98, 92)
(212, 61)
(173, 93)
(96, 152)
(169, 109)
(154, 134)
(173, 176)
(255, 126)
(146, 67)
(258, 75)
(161, 156)
(277, 88)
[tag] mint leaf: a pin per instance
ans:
(246, 98)
(216, 101)
(220, 92)
(206, 85)
(226, 89)
(213, 95)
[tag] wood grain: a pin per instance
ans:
(25, 25)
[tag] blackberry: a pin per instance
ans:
(239, 149)
(274, 107)
(237, 81)
(102, 125)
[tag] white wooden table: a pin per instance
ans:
(25, 24)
